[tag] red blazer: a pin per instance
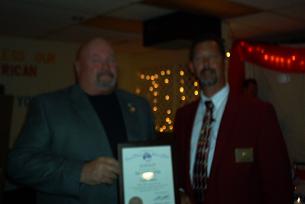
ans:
(245, 124)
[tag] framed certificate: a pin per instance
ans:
(147, 174)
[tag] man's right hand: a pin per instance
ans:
(101, 170)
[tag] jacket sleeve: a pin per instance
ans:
(273, 160)
(32, 163)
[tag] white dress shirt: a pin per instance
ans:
(219, 100)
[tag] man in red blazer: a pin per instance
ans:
(247, 160)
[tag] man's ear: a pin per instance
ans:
(76, 70)
(77, 67)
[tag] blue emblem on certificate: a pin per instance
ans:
(147, 156)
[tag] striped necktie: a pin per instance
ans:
(200, 174)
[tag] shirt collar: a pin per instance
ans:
(217, 98)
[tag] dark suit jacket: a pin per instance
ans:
(245, 124)
(61, 132)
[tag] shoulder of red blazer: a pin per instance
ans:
(253, 104)
(188, 108)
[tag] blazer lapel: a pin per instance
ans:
(128, 112)
(85, 110)
(225, 130)
(192, 114)
(189, 123)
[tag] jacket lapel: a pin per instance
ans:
(129, 112)
(225, 130)
(189, 123)
(86, 112)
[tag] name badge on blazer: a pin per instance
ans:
(244, 155)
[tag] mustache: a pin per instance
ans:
(105, 73)
(206, 69)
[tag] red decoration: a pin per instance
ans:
(276, 58)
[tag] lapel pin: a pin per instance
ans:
(131, 108)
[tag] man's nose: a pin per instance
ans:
(105, 65)
(205, 62)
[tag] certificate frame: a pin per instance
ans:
(133, 146)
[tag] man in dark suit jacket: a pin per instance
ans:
(67, 148)
(247, 160)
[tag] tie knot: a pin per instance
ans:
(209, 105)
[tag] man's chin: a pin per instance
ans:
(106, 85)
